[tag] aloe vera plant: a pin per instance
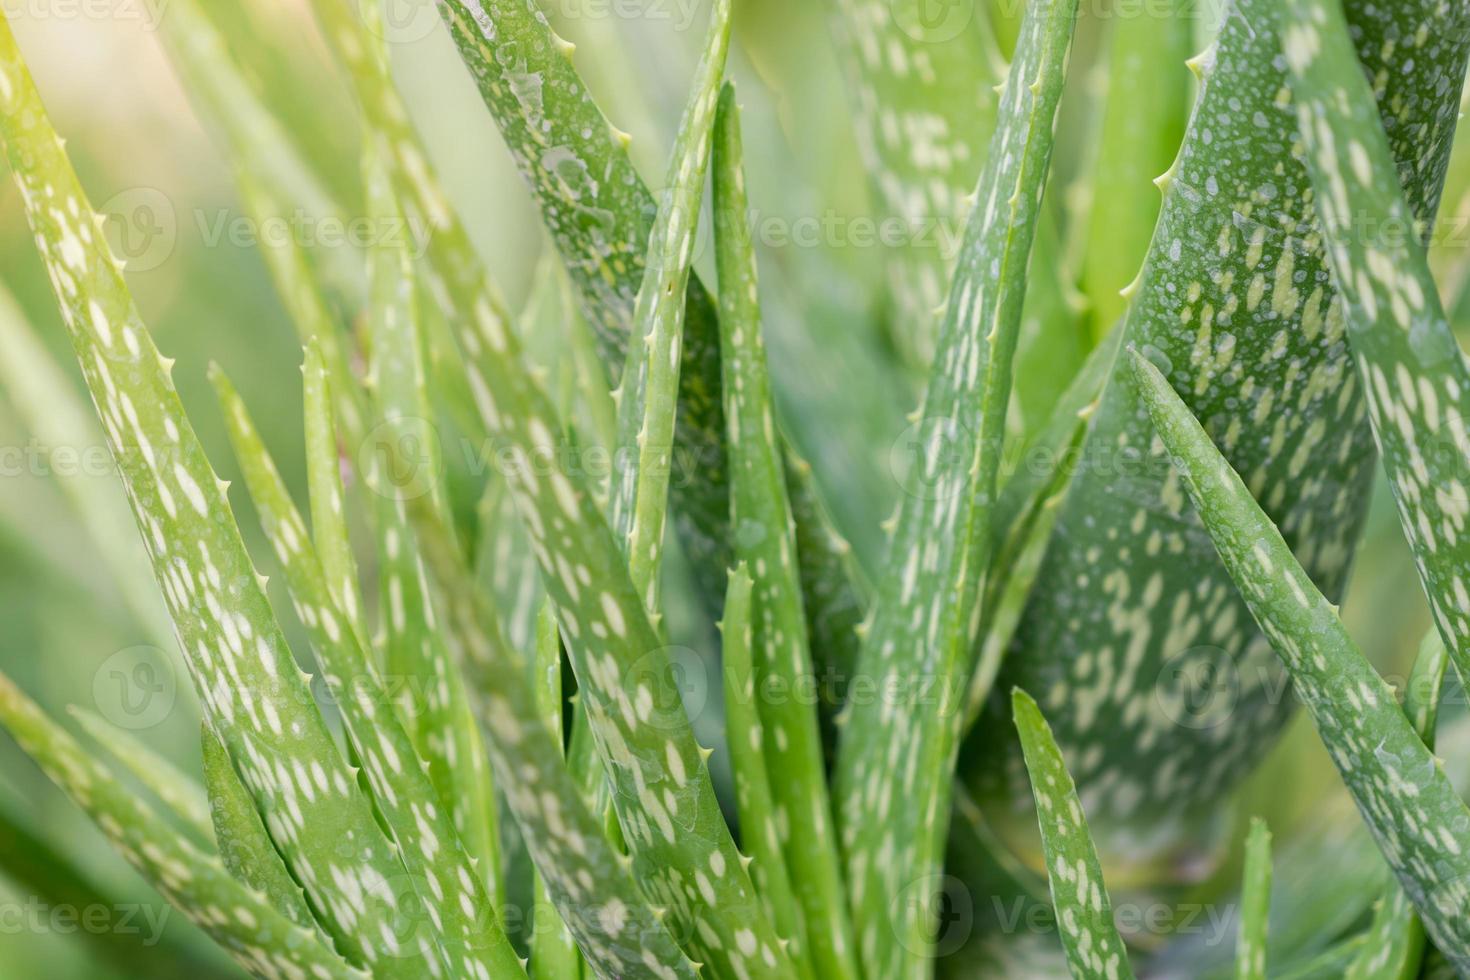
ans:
(649, 719)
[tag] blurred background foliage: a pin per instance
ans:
(71, 634)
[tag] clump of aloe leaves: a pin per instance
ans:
(1191, 315)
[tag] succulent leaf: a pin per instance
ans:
(1084, 911)
(897, 750)
(1255, 904)
(1382, 759)
(260, 938)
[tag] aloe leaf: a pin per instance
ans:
(925, 107)
(439, 868)
(617, 931)
(659, 770)
(896, 755)
(1394, 946)
(255, 696)
(761, 516)
(328, 496)
(1132, 605)
(648, 394)
(1410, 365)
(182, 795)
(753, 799)
(1255, 904)
(1084, 911)
(1143, 122)
(436, 709)
(260, 938)
(1406, 800)
(61, 876)
(833, 594)
(45, 399)
(553, 952)
(244, 847)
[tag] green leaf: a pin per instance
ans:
(240, 919)
(438, 867)
(183, 796)
(37, 862)
(647, 397)
(1255, 904)
(925, 107)
(1143, 122)
(1394, 946)
(244, 848)
(1418, 820)
(895, 760)
(616, 929)
(1409, 363)
(433, 703)
(599, 214)
(760, 514)
(1079, 895)
(553, 952)
(1132, 604)
(662, 790)
(254, 695)
(753, 800)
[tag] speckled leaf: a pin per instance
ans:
(429, 688)
(329, 533)
(1409, 363)
(925, 107)
(1255, 904)
(618, 932)
(760, 515)
(244, 848)
(183, 796)
(1133, 611)
(896, 753)
(260, 938)
(684, 857)
(253, 693)
(1142, 124)
(1394, 944)
(1084, 912)
(439, 870)
(746, 739)
(599, 214)
(647, 396)
(553, 951)
(833, 594)
(1418, 820)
